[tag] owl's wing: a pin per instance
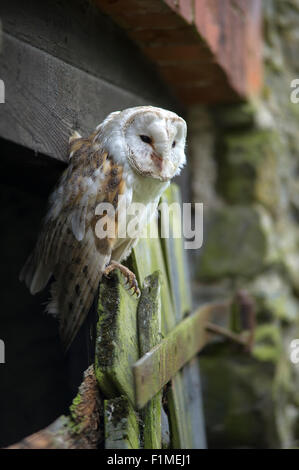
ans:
(68, 246)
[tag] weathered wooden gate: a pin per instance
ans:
(146, 371)
(128, 330)
(140, 397)
(142, 344)
(144, 391)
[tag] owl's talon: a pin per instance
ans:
(137, 292)
(135, 287)
(131, 281)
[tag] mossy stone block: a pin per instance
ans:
(238, 241)
(248, 168)
(238, 399)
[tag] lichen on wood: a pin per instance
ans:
(149, 332)
(117, 342)
(82, 429)
(147, 258)
(121, 424)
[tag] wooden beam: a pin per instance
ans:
(121, 424)
(80, 430)
(149, 334)
(78, 34)
(59, 76)
(46, 99)
(117, 341)
(147, 258)
(1, 33)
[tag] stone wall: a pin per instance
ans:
(245, 162)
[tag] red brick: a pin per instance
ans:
(178, 36)
(151, 21)
(182, 7)
(206, 21)
(178, 53)
(119, 7)
(235, 41)
(207, 95)
(254, 71)
(191, 74)
(174, 4)
(186, 10)
(215, 55)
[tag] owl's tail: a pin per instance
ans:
(52, 306)
(71, 313)
(73, 298)
(27, 272)
(35, 274)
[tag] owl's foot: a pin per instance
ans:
(131, 278)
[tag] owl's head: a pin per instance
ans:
(151, 139)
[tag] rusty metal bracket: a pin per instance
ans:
(242, 322)
(219, 330)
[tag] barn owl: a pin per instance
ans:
(134, 154)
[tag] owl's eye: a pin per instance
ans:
(146, 139)
(173, 144)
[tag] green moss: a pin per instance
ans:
(268, 343)
(121, 424)
(266, 353)
(237, 242)
(238, 398)
(117, 342)
(248, 168)
(73, 408)
(108, 310)
(235, 116)
(270, 332)
(73, 427)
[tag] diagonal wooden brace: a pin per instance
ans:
(155, 369)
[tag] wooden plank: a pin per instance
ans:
(147, 258)
(180, 289)
(179, 280)
(157, 367)
(194, 404)
(77, 33)
(178, 420)
(149, 332)
(1, 35)
(178, 274)
(175, 255)
(54, 436)
(121, 424)
(80, 430)
(117, 341)
(165, 431)
(46, 99)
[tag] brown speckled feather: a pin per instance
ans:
(68, 247)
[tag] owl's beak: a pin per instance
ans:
(157, 159)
